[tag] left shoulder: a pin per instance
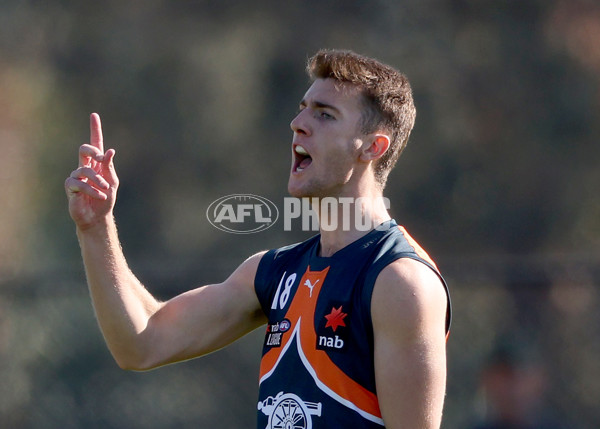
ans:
(408, 310)
(409, 294)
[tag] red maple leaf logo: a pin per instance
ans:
(335, 318)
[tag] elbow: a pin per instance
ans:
(134, 366)
(134, 354)
(134, 363)
(129, 364)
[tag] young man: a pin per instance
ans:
(356, 320)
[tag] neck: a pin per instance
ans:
(343, 220)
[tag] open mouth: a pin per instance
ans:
(302, 159)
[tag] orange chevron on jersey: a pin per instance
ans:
(332, 380)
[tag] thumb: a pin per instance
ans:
(108, 168)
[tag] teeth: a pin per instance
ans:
(301, 151)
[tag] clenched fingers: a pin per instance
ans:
(75, 186)
(94, 180)
(86, 174)
(89, 153)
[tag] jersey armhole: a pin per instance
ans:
(261, 283)
(373, 273)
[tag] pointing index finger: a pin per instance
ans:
(96, 132)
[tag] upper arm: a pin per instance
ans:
(205, 319)
(409, 323)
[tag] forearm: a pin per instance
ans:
(122, 304)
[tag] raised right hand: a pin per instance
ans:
(92, 188)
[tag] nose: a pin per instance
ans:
(299, 124)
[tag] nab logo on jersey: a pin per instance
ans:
(333, 321)
(242, 213)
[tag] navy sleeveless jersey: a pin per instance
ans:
(317, 368)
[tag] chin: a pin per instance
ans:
(296, 190)
(308, 189)
(296, 193)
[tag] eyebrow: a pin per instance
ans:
(320, 105)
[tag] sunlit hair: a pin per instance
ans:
(387, 97)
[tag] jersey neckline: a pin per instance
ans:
(372, 235)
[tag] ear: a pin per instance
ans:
(375, 150)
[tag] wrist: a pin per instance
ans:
(100, 228)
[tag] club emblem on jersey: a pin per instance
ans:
(287, 410)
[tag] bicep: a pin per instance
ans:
(205, 319)
(409, 313)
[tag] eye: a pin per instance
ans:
(324, 115)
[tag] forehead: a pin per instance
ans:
(332, 92)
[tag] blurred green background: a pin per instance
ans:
(500, 183)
